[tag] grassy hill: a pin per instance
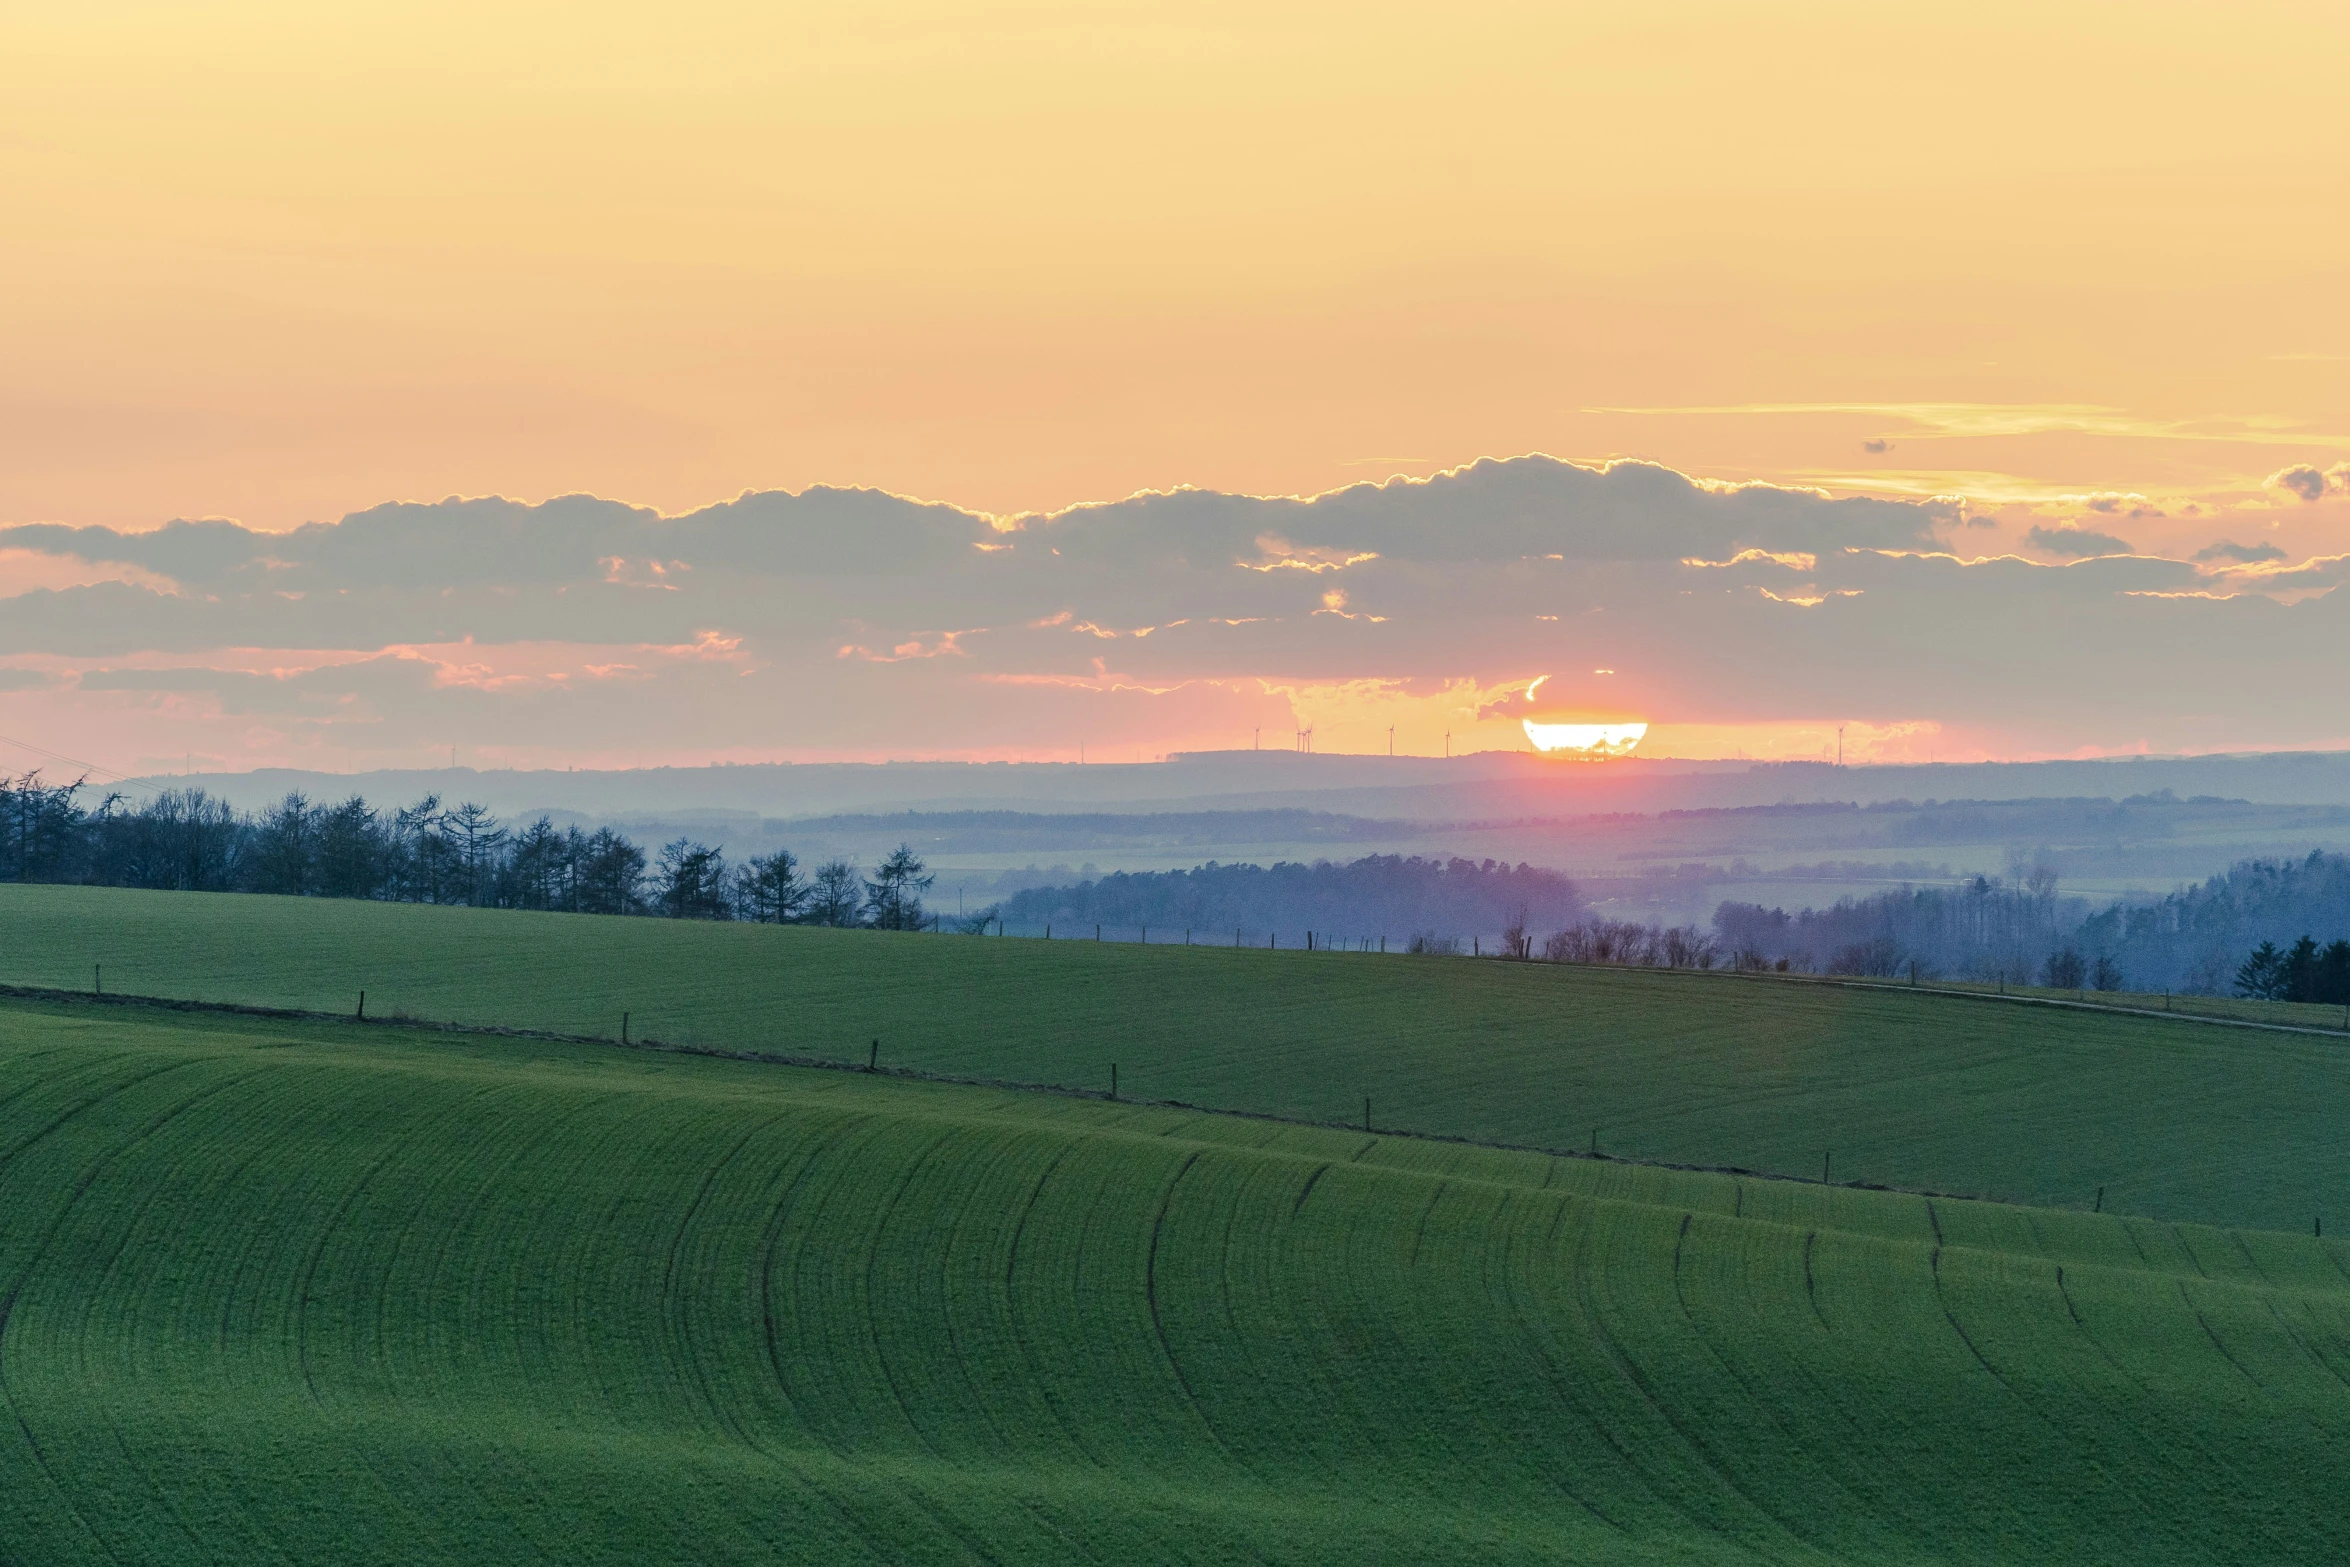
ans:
(2173, 1120)
(309, 1292)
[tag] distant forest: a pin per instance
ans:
(1441, 901)
(2255, 930)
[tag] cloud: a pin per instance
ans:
(1276, 553)
(1334, 602)
(928, 644)
(1792, 560)
(2318, 573)
(1811, 600)
(643, 573)
(191, 552)
(839, 622)
(2309, 482)
(1967, 420)
(2075, 543)
(2246, 554)
(2114, 504)
(1949, 419)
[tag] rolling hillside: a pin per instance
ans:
(2175, 1121)
(309, 1292)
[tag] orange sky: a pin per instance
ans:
(278, 261)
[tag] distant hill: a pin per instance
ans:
(1503, 784)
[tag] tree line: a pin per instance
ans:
(2245, 931)
(430, 852)
(2303, 971)
(1378, 895)
(1989, 928)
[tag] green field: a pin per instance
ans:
(315, 1292)
(2174, 1120)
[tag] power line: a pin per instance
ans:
(73, 761)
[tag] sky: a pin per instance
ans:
(2059, 285)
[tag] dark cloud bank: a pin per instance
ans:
(852, 618)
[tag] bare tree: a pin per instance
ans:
(1514, 939)
(285, 847)
(420, 852)
(477, 838)
(770, 889)
(836, 895)
(537, 867)
(349, 858)
(690, 882)
(607, 872)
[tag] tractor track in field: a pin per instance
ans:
(48, 1238)
(763, 1269)
(1762, 1397)
(2033, 1406)
(1686, 1433)
(57, 997)
(2217, 1342)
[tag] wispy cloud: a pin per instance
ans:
(1793, 560)
(1275, 553)
(930, 644)
(1955, 421)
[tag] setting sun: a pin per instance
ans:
(1591, 740)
